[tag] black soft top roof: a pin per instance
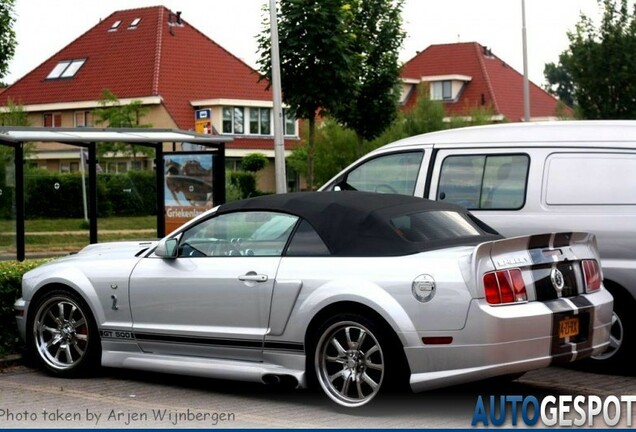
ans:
(353, 223)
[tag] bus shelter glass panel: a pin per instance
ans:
(7, 204)
(127, 193)
(55, 219)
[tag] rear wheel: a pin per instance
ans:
(64, 336)
(352, 359)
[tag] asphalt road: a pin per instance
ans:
(129, 399)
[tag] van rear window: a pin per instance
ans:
(591, 179)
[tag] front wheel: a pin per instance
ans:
(351, 360)
(64, 335)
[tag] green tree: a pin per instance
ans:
(316, 59)
(601, 64)
(335, 150)
(559, 81)
(425, 116)
(14, 115)
(113, 114)
(376, 39)
(7, 35)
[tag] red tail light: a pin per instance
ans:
(592, 275)
(505, 286)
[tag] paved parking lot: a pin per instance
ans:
(117, 398)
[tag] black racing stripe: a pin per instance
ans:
(285, 346)
(562, 351)
(581, 302)
(562, 239)
(539, 241)
(239, 343)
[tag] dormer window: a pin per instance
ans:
(442, 90)
(134, 24)
(66, 69)
(446, 88)
(115, 26)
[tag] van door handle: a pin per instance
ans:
(253, 277)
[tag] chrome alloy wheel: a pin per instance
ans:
(349, 363)
(616, 339)
(60, 333)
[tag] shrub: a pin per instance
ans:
(254, 162)
(10, 290)
(245, 182)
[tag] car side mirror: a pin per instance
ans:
(167, 248)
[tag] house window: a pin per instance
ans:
(84, 119)
(260, 121)
(290, 123)
(232, 164)
(66, 69)
(115, 25)
(52, 120)
(442, 90)
(134, 24)
(233, 120)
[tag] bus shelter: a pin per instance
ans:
(165, 142)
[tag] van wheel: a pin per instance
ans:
(616, 358)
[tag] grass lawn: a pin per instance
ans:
(68, 235)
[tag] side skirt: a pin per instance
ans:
(205, 367)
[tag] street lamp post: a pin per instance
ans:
(279, 143)
(526, 85)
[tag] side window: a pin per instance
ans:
(484, 181)
(238, 234)
(394, 173)
(306, 242)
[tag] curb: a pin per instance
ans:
(10, 360)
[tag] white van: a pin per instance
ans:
(527, 179)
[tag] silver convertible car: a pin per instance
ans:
(351, 291)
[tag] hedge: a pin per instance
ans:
(10, 290)
(56, 195)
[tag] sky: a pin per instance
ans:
(43, 27)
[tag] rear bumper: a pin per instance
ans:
(511, 339)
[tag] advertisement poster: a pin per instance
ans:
(188, 187)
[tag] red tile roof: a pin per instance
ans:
(494, 83)
(177, 63)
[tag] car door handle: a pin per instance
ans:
(253, 277)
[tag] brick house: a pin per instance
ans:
(154, 56)
(468, 76)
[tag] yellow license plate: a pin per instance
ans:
(568, 327)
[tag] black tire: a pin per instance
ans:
(63, 336)
(616, 359)
(354, 359)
